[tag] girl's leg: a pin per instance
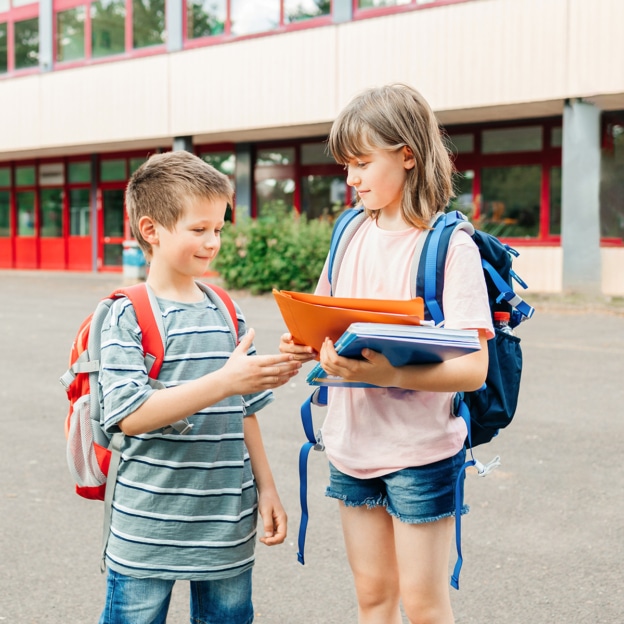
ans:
(135, 601)
(369, 540)
(422, 552)
(222, 601)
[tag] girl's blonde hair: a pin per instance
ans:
(389, 118)
(162, 187)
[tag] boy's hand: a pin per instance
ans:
(273, 516)
(301, 353)
(246, 374)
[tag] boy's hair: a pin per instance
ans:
(164, 184)
(389, 118)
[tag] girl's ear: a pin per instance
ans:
(408, 158)
(148, 230)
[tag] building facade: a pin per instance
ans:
(528, 92)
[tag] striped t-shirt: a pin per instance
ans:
(185, 506)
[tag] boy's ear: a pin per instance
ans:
(408, 157)
(148, 230)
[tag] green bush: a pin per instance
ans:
(283, 251)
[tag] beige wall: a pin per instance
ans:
(474, 61)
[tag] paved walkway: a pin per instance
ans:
(544, 542)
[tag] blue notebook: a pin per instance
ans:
(401, 344)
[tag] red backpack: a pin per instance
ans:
(93, 456)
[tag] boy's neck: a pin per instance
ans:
(183, 289)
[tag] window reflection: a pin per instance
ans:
(463, 188)
(70, 34)
(205, 18)
(26, 43)
(505, 140)
(3, 49)
(511, 200)
(323, 196)
(298, 10)
(5, 214)
(612, 183)
(254, 17)
(148, 23)
(79, 212)
(25, 213)
(369, 4)
(274, 196)
(108, 27)
(51, 213)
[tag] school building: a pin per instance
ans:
(530, 93)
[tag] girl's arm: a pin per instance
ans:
(465, 373)
(269, 504)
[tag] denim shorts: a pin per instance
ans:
(413, 495)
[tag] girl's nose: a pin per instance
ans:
(353, 179)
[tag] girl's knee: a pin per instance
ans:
(425, 608)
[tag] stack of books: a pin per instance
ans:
(401, 344)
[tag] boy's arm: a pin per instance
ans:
(269, 504)
(241, 374)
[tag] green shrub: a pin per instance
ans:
(283, 251)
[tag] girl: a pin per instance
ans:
(395, 451)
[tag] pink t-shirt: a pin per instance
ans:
(369, 432)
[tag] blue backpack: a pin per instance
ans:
(486, 410)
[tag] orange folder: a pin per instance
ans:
(312, 318)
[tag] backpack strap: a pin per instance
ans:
(345, 228)
(318, 397)
(224, 304)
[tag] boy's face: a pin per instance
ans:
(196, 238)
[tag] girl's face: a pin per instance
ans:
(379, 177)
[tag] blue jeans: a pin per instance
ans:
(146, 600)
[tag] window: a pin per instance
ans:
(299, 10)
(27, 43)
(25, 175)
(511, 200)
(148, 23)
(505, 140)
(205, 18)
(70, 34)
(108, 27)
(254, 17)
(612, 180)
(5, 214)
(4, 56)
(25, 201)
(113, 170)
(79, 178)
(51, 213)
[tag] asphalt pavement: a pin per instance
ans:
(543, 543)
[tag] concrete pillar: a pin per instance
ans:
(183, 143)
(174, 10)
(342, 11)
(580, 203)
(46, 35)
(244, 180)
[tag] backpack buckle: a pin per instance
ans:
(319, 446)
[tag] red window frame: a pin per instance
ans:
(226, 36)
(547, 158)
(17, 14)
(365, 13)
(129, 50)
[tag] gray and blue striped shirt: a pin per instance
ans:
(185, 506)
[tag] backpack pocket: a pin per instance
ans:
(493, 407)
(82, 452)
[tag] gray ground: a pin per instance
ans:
(544, 541)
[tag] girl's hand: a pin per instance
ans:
(273, 516)
(375, 368)
(301, 353)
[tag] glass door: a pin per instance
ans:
(112, 228)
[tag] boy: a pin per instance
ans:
(185, 505)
